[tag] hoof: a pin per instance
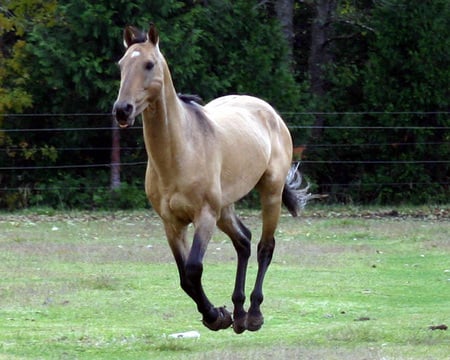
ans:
(240, 324)
(254, 322)
(223, 321)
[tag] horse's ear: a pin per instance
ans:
(152, 35)
(130, 35)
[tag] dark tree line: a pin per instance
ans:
(350, 63)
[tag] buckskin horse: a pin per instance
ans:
(201, 160)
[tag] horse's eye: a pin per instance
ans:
(149, 65)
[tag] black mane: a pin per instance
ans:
(189, 98)
(192, 104)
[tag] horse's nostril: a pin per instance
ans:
(123, 111)
(126, 109)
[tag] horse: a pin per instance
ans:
(201, 160)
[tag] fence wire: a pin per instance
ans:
(68, 167)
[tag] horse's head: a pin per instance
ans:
(141, 74)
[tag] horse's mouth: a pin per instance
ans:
(125, 123)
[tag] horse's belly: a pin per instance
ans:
(241, 171)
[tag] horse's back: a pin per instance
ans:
(246, 114)
(246, 117)
(222, 108)
(237, 101)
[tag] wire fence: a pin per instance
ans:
(8, 168)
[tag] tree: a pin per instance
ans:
(410, 56)
(320, 53)
(16, 18)
(285, 13)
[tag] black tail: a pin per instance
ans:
(294, 197)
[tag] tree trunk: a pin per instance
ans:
(320, 55)
(285, 14)
(115, 157)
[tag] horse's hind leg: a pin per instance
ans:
(271, 207)
(231, 225)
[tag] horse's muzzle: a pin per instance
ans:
(122, 112)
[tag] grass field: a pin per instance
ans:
(344, 284)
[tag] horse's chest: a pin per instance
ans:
(182, 197)
(181, 206)
(173, 205)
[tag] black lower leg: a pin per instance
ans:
(193, 287)
(239, 289)
(265, 252)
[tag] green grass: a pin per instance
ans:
(105, 286)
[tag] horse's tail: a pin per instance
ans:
(294, 197)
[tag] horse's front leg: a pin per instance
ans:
(190, 266)
(213, 318)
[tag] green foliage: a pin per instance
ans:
(127, 196)
(410, 61)
(74, 59)
(17, 17)
(13, 94)
(406, 69)
(243, 52)
(410, 56)
(74, 192)
(63, 192)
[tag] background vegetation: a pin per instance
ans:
(324, 64)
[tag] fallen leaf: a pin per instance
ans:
(438, 327)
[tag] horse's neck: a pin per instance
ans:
(163, 129)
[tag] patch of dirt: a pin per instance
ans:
(432, 213)
(422, 213)
(299, 352)
(95, 253)
(82, 217)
